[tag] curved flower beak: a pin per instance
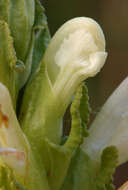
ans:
(76, 52)
(110, 126)
(75, 45)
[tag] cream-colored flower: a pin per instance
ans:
(110, 126)
(76, 52)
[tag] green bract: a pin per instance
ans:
(39, 78)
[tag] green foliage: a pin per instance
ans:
(42, 35)
(109, 161)
(8, 60)
(20, 17)
(85, 109)
(76, 133)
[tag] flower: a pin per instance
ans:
(110, 127)
(76, 52)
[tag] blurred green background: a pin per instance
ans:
(112, 15)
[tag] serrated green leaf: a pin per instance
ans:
(20, 17)
(39, 41)
(109, 160)
(7, 61)
(85, 109)
(76, 179)
(42, 35)
(76, 133)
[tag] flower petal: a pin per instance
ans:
(110, 126)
